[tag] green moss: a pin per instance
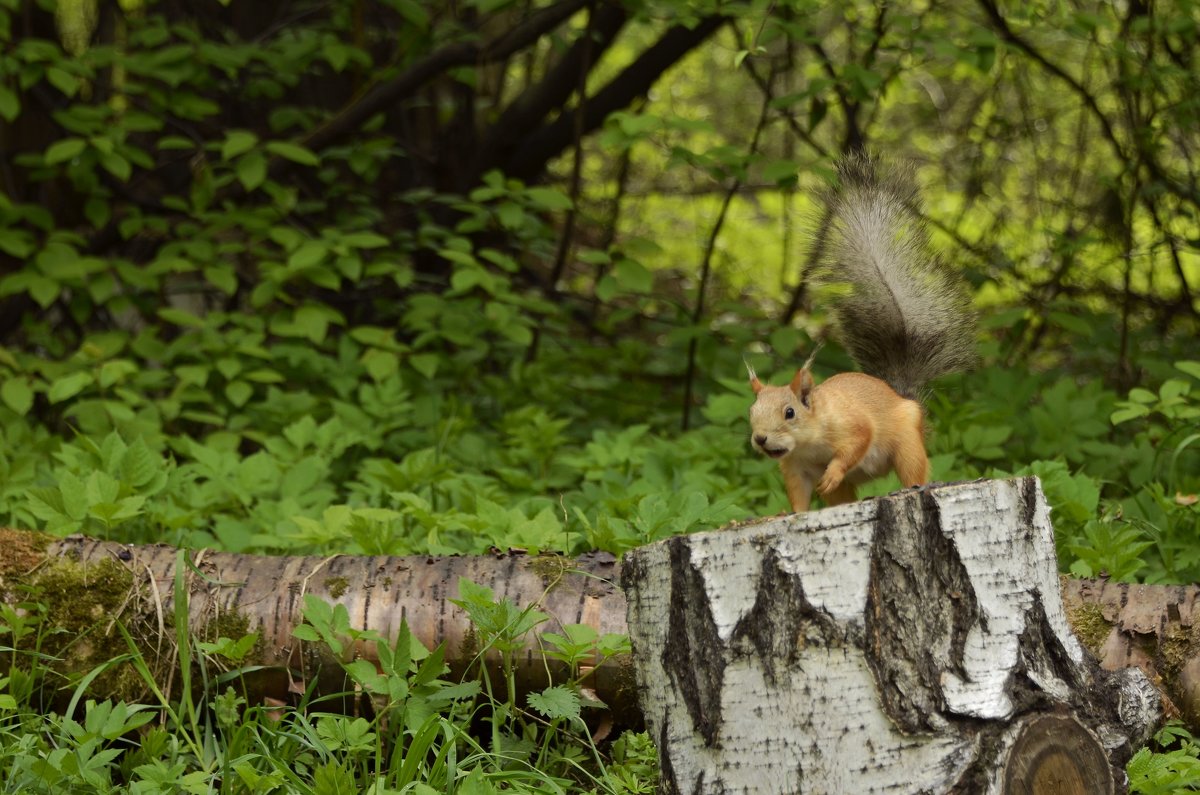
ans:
(1179, 646)
(337, 586)
(1090, 626)
(228, 624)
(551, 568)
(83, 603)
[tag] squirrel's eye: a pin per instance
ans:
(789, 413)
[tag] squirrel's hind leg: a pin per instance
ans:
(912, 465)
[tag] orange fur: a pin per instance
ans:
(847, 431)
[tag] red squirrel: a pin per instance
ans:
(906, 321)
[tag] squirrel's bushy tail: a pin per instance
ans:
(908, 318)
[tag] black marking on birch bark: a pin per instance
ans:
(691, 652)
(782, 620)
(920, 607)
(1029, 501)
(665, 769)
(1038, 648)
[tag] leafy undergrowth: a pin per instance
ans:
(413, 731)
(331, 458)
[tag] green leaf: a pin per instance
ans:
(17, 394)
(10, 104)
(68, 386)
(633, 276)
(252, 170)
(237, 142)
(313, 322)
(239, 393)
(293, 152)
(548, 199)
(180, 317)
(44, 290)
(781, 172)
(16, 242)
(1191, 368)
(310, 253)
(511, 215)
(425, 363)
(222, 277)
(556, 703)
(115, 371)
(63, 80)
(64, 150)
(364, 240)
(116, 165)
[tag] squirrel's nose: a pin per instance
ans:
(760, 440)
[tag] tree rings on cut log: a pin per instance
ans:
(1056, 755)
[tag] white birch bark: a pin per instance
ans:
(913, 643)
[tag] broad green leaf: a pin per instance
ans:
(556, 703)
(222, 277)
(180, 317)
(310, 253)
(10, 104)
(633, 276)
(63, 80)
(237, 142)
(17, 394)
(548, 199)
(1191, 368)
(44, 290)
(239, 393)
(252, 170)
(364, 240)
(116, 165)
(68, 386)
(16, 242)
(64, 150)
(293, 152)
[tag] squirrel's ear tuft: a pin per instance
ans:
(755, 384)
(802, 385)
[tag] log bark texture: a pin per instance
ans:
(1155, 627)
(912, 643)
(88, 585)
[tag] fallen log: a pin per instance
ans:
(913, 643)
(86, 586)
(1153, 627)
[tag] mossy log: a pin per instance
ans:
(87, 586)
(1153, 627)
(915, 643)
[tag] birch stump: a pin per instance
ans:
(909, 644)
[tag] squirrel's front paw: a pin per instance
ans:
(829, 481)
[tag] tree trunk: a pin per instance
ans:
(915, 643)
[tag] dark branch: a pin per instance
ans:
(532, 107)
(531, 157)
(383, 96)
